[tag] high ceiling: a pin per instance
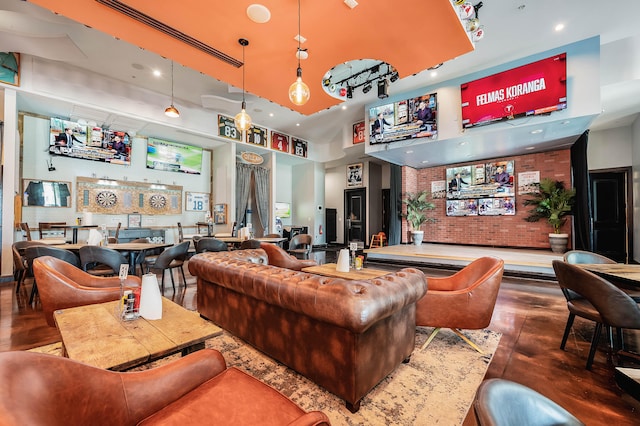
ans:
(412, 38)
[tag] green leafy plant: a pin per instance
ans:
(417, 208)
(552, 202)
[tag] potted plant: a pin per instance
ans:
(417, 208)
(552, 202)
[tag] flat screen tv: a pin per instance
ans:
(283, 210)
(173, 156)
(406, 119)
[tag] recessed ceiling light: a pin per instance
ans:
(344, 107)
(298, 124)
(536, 131)
(157, 73)
(258, 13)
(271, 114)
(463, 143)
(566, 122)
(424, 161)
(529, 148)
(559, 27)
(408, 152)
(434, 74)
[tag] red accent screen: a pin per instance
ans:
(532, 89)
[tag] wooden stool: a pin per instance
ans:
(377, 240)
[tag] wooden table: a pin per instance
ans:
(94, 334)
(616, 271)
(329, 270)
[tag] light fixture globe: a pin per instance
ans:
(172, 112)
(299, 92)
(242, 120)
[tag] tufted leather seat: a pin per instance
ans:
(330, 330)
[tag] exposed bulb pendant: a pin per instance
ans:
(242, 120)
(171, 111)
(299, 92)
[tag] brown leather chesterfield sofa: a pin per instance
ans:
(198, 389)
(346, 336)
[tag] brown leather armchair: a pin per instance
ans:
(278, 257)
(62, 285)
(464, 300)
(41, 389)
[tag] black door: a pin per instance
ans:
(355, 201)
(386, 208)
(611, 229)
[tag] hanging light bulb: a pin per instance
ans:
(242, 120)
(299, 92)
(171, 111)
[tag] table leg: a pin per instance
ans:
(193, 348)
(74, 233)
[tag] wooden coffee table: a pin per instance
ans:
(329, 270)
(93, 334)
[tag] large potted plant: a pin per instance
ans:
(417, 208)
(552, 202)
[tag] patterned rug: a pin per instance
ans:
(436, 387)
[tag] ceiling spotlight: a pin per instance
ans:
(349, 92)
(383, 88)
(394, 76)
(366, 87)
(435, 67)
(326, 82)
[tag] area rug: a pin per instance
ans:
(437, 386)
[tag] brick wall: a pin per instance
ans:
(496, 231)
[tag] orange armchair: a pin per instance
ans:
(62, 285)
(464, 300)
(197, 389)
(279, 257)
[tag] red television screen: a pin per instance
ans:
(532, 89)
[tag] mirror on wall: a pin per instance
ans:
(46, 193)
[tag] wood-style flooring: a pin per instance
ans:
(530, 314)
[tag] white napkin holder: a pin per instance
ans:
(95, 237)
(150, 298)
(343, 261)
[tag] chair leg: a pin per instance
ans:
(34, 291)
(567, 329)
(184, 279)
(467, 340)
(173, 283)
(430, 338)
(162, 282)
(594, 344)
(19, 279)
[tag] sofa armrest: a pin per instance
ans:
(312, 418)
(147, 392)
(279, 257)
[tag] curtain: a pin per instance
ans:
(395, 195)
(261, 176)
(582, 214)
(243, 183)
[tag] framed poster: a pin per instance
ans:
(299, 147)
(46, 193)
(279, 142)
(358, 132)
(354, 175)
(220, 214)
(257, 136)
(197, 201)
(10, 68)
(227, 128)
(134, 220)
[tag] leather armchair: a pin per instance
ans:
(41, 389)
(62, 285)
(464, 300)
(501, 402)
(279, 257)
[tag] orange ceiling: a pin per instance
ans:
(411, 36)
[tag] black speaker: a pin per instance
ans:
(383, 88)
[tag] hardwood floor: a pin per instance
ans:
(530, 314)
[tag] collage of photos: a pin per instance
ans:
(406, 119)
(481, 190)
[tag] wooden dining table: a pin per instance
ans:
(131, 248)
(627, 273)
(74, 230)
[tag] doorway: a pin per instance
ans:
(612, 220)
(355, 209)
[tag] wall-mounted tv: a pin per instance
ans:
(532, 89)
(173, 156)
(72, 139)
(405, 119)
(283, 210)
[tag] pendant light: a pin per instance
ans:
(171, 111)
(299, 91)
(242, 119)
